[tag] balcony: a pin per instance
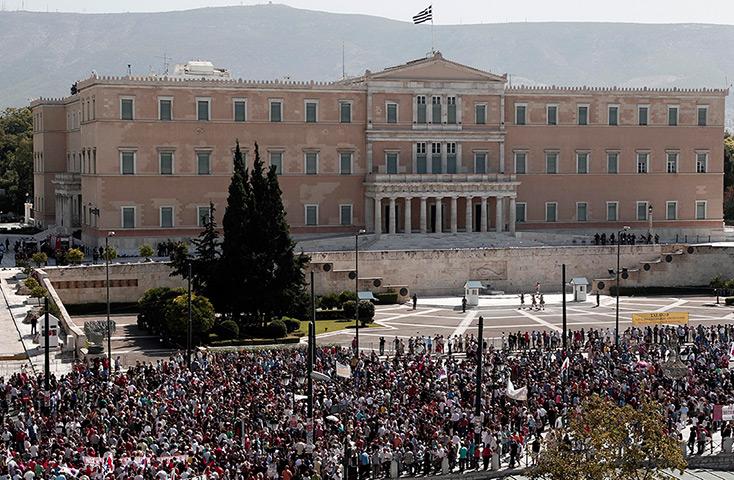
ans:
(460, 184)
(439, 178)
(67, 183)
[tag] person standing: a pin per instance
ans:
(533, 303)
(463, 305)
(597, 298)
(34, 325)
(522, 300)
(542, 302)
(382, 346)
(415, 301)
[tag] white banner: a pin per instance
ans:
(520, 394)
(344, 371)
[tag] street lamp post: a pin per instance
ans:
(356, 287)
(188, 336)
(616, 316)
(107, 284)
(649, 220)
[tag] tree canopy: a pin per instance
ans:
(16, 158)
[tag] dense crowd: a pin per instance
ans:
(242, 415)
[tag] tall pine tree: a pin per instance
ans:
(206, 256)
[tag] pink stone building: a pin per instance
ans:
(427, 146)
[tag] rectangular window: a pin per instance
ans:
(451, 110)
(240, 110)
(392, 112)
(166, 217)
(671, 210)
(583, 114)
(642, 160)
(672, 116)
(345, 163)
(312, 163)
(642, 114)
(345, 112)
(641, 211)
(520, 111)
(551, 212)
(127, 163)
(582, 163)
(345, 214)
(582, 211)
(701, 162)
(128, 217)
(276, 160)
(451, 158)
(202, 215)
(311, 112)
(480, 114)
(551, 162)
(701, 210)
(612, 211)
(521, 163)
(203, 109)
(552, 114)
(672, 162)
(612, 162)
(166, 163)
(312, 215)
(702, 113)
(521, 212)
(165, 109)
(420, 101)
(436, 110)
(391, 160)
(203, 161)
(613, 115)
(127, 109)
(421, 158)
(436, 157)
(480, 162)
(276, 111)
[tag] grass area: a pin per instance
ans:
(323, 326)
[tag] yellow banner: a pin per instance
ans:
(653, 318)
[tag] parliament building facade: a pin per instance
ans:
(427, 146)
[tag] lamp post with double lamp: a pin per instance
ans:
(616, 316)
(356, 287)
(107, 283)
(649, 220)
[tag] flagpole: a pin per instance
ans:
(433, 37)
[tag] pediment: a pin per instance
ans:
(437, 68)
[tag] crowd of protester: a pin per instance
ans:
(242, 414)
(626, 238)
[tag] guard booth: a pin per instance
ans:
(368, 296)
(471, 292)
(53, 331)
(580, 288)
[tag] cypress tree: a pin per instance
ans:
(206, 257)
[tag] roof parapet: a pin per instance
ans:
(622, 90)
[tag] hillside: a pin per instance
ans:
(43, 53)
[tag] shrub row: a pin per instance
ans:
(335, 300)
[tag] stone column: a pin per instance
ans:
(512, 215)
(469, 215)
(424, 223)
(439, 216)
(500, 218)
(484, 215)
(454, 226)
(378, 215)
(408, 215)
(502, 157)
(392, 215)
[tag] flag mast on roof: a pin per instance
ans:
(423, 17)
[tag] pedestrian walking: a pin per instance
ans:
(34, 325)
(463, 305)
(522, 300)
(415, 301)
(597, 298)
(542, 302)
(533, 303)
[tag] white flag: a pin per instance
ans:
(343, 370)
(731, 353)
(520, 394)
(565, 364)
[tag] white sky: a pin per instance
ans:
(444, 11)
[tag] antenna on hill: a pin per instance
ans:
(344, 70)
(166, 63)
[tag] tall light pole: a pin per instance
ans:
(188, 336)
(107, 283)
(649, 219)
(356, 286)
(616, 316)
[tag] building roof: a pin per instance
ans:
(474, 284)
(579, 281)
(366, 296)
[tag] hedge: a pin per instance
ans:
(331, 314)
(291, 324)
(389, 298)
(729, 301)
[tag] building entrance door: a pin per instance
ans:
(432, 227)
(477, 218)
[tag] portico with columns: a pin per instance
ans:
(445, 203)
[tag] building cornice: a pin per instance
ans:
(591, 90)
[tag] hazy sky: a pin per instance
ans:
(445, 11)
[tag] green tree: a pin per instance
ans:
(206, 248)
(728, 177)
(75, 256)
(16, 158)
(39, 258)
(608, 442)
(109, 253)
(146, 250)
(177, 318)
(152, 306)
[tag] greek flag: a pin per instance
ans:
(424, 16)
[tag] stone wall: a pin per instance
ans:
(128, 281)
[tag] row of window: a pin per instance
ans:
(128, 215)
(203, 108)
(613, 119)
(583, 162)
(642, 211)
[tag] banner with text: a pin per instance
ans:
(657, 318)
